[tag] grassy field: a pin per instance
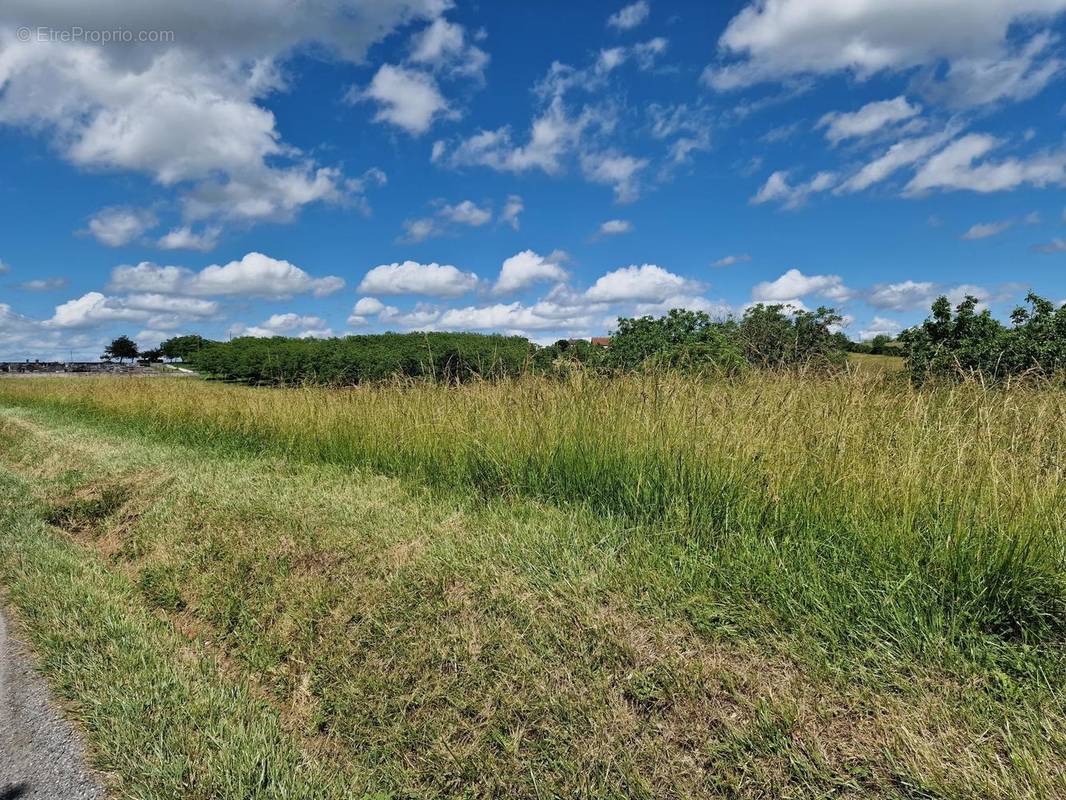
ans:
(872, 363)
(778, 586)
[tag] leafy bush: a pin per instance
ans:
(973, 344)
(772, 338)
(767, 337)
(184, 347)
(451, 357)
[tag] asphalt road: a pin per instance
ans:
(41, 755)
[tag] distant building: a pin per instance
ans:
(601, 341)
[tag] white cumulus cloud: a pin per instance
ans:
(776, 39)
(255, 275)
(410, 277)
(646, 282)
(407, 98)
(526, 268)
(184, 238)
(794, 284)
(117, 226)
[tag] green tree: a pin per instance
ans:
(681, 339)
(970, 343)
(122, 347)
(879, 345)
(966, 343)
(184, 347)
(773, 338)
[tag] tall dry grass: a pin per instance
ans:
(858, 506)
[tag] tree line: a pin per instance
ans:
(953, 343)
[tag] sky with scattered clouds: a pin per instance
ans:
(326, 167)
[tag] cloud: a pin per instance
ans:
(262, 276)
(716, 309)
(879, 326)
(902, 154)
(169, 304)
(410, 277)
(117, 226)
(646, 282)
(369, 307)
(285, 325)
(616, 170)
(442, 46)
(507, 317)
(903, 296)
(512, 208)
(189, 113)
(563, 131)
(407, 98)
(987, 229)
(524, 269)
(93, 308)
(420, 229)
(4, 268)
(43, 284)
(953, 168)
(778, 189)
(17, 331)
(1015, 76)
(644, 53)
(1052, 247)
(794, 284)
(255, 275)
(553, 134)
(728, 261)
(630, 16)
(184, 238)
(613, 227)
(869, 119)
(773, 40)
(563, 78)
(22, 337)
(466, 213)
(909, 295)
(277, 194)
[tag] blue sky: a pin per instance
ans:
(332, 167)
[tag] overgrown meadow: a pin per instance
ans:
(873, 535)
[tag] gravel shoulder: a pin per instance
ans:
(41, 754)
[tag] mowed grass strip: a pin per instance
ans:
(429, 643)
(160, 719)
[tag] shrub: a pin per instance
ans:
(973, 344)
(451, 357)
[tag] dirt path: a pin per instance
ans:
(41, 755)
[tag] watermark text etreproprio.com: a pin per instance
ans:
(81, 35)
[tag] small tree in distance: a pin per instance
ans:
(121, 348)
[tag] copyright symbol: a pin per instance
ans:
(23, 34)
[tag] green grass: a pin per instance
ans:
(651, 587)
(876, 363)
